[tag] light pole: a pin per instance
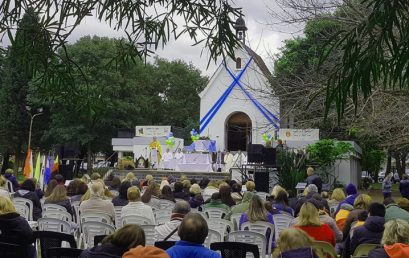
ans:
(39, 112)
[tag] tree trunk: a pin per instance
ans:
(388, 163)
(89, 158)
(5, 161)
(17, 159)
(397, 157)
(403, 163)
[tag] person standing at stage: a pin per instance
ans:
(228, 161)
(167, 155)
(239, 159)
(314, 179)
(179, 154)
(156, 151)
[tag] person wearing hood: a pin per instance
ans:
(241, 207)
(14, 228)
(27, 191)
(395, 241)
(393, 211)
(352, 193)
(372, 230)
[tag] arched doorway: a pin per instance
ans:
(238, 131)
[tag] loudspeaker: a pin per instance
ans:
(269, 156)
(261, 180)
(255, 153)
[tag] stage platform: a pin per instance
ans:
(159, 174)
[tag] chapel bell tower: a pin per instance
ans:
(241, 29)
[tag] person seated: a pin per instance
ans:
(186, 185)
(361, 204)
(256, 212)
(179, 193)
(50, 187)
(337, 196)
(108, 180)
(151, 196)
(96, 202)
(59, 197)
(115, 184)
(395, 240)
(9, 175)
(116, 244)
(3, 187)
(136, 206)
(309, 192)
(225, 195)
(295, 243)
(281, 203)
(14, 228)
(168, 231)
(38, 191)
(122, 198)
(393, 211)
(236, 193)
(59, 178)
(167, 194)
(372, 230)
(76, 189)
(95, 176)
(192, 232)
(404, 186)
(146, 252)
(196, 198)
(241, 207)
(216, 202)
(27, 191)
(352, 193)
(403, 203)
(250, 186)
(309, 221)
(129, 177)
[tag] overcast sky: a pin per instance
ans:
(262, 38)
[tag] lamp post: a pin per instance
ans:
(39, 112)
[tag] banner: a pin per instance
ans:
(299, 134)
(151, 131)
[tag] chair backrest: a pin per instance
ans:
(326, 248)
(235, 250)
(212, 236)
(162, 216)
(114, 193)
(98, 217)
(166, 204)
(56, 214)
(49, 239)
(76, 207)
(220, 225)
(249, 237)
(363, 250)
(179, 200)
(55, 207)
(12, 250)
(263, 195)
(235, 219)
(98, 239)
(28, 203)
(118, 210)
(91, 229)
(10, 186)
(214, 213)
(281, 222)
(262, 227)
(164, 245)
(60, 252)
(55, 225)
(23, 210)
(149, 234)
(134, 219)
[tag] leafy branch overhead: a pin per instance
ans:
(149, 24)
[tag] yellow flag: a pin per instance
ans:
(38, 168)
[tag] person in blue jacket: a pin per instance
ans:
(192, 232)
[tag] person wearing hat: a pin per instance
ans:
(352, 193)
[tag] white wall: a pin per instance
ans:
(255, 82)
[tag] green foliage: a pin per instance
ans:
(325, 152)
(292, 169)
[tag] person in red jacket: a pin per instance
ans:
(309, 221)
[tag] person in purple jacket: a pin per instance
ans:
(352, 193)
(9, 176)
(404, 186)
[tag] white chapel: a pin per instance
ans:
(238, 105)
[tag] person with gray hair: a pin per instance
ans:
(395, 240)
(168, 231)
(311, 191)
(96, 203)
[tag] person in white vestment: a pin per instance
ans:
(239, 159)
(228, 161)
(167, 155)
(179, 154)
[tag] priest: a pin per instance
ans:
(156, 152)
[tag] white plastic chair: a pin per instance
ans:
(90, 229)
(263, 228)
(23, 210)
(50, 206)
(149, 234)
(220, 225)
(10, 186)
(212, 237)
(118, 210)
(179, 200)
(249, 237)
(55, 225)
(235, 219)
(76, 207)
(281, 222)
(134, 219)
(28, 203)
(162, 216)
(56, 214)
(166, 205)
(98, 217)
(214, 213)
(262, 195)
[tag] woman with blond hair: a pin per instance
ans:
(309, 221)
(295, 243)
(59, 197)
(256, 212)
(96, 202)
(152, 195)
(361, 204)
(337, 196)
(395, 241)
(3, 187)
(14, 228)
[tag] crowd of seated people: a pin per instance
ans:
(355, 218)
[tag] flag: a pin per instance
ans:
(55, 166)
(47, 171)
(38, 168)
(28, 166)
(43, 163)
